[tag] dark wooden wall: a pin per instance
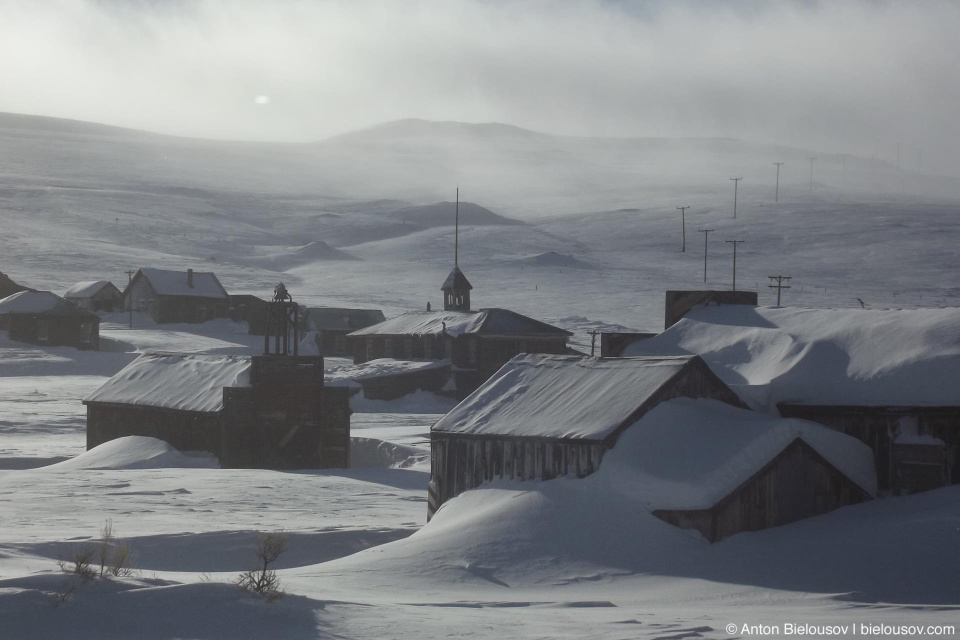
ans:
(188, 309)
(797, 484)
(459, 462)
(81, 333)
(184, 430)
(878, 427)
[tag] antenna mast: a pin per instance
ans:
(456, 231)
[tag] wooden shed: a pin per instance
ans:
(884, 376)
(177, 296)
(95, 295)
(42, 317)
(333, 324)
(268, 411)
(543, 416)
(720, 470)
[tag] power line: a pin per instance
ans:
(735, 243)
(811, 172)
(736, 183)
(593, 341)
(780, 285)
(776, 197)
(706, 235)
(683, 226)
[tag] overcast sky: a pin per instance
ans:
(854, 77)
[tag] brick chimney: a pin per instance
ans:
(190, 278)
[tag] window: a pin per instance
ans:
(369, 348)
(387, 347)
(472, 350)
(86, 333)
(408, 347)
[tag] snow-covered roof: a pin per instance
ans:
(551, 396)
(43, 303)
(454, 323)
(87, 288)
(855, 357)
(175, 381)
(690, 454)
(335, 318)
(381, 367)
(174, 283)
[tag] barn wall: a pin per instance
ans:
(878, 427)
(459, 462)
(81, 333)
(797, 484)
(184, 430)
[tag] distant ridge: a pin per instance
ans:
(416, 128)
(50, 124)
(442, 214)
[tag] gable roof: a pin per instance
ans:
(337, 318)
(88, 288)
(569, 397)
(43, 303)
(187, 382)
(688, 454)
(454, 323)
(851, 357)
(456, 280)
(174, 283)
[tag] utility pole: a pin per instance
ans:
(780, 285)
(130, 308)
(776, 197)
(811, 172)
(593, 341)
(683, 226)
(736, 182)
(735, 243)
(706, 235)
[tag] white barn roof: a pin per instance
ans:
(688, 454)
(854, 357)
(553, 396)
(43, 303)
(175, 381)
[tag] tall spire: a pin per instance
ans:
(456, 230)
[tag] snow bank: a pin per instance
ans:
(823, 356)
(136, 452)
(690, 454)
(419, 401)
(382, 367)
(366, 453)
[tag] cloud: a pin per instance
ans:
(854, 77)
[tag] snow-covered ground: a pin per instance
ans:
(557, 559)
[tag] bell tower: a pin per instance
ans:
(456, 288)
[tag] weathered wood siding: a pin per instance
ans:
(797, 484)
(879, 427)
(460, 462)
(184, 430)
(173, 309)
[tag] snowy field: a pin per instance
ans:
(559, 559)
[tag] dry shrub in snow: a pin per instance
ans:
(262, 580)
(112, 554)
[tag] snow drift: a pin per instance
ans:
(136, 452)
(823, 356)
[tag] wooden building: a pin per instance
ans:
(42, 317)
(884, 376)
(679, 303)
(332, 325)
(543, 416)
(721, 470)
(477, 343)
(95, 295)
(268, 411)
(177, 296)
